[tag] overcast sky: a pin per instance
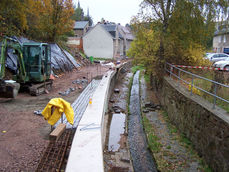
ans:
(118, 11)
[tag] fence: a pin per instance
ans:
(170, 69)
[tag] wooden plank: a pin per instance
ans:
(57, 132)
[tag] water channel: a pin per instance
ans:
(126, 146)
(141, 157)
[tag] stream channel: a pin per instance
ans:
(126, 146)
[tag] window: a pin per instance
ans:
(219, 39)
(216, 56)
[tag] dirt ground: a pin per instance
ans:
(118, 159)
(23, 134)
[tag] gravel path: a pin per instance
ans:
(174, 153)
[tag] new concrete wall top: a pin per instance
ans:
(86, 151)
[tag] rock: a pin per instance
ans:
(72, 89)
(117, 110)
(145, 110)
(149, 104)
(158, 107)
(125, 159)
(116, 90)
(112, 101)
(37, 112)
(76, 81)
(115, 107)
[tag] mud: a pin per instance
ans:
(24, 135)
(117, 128)
(141, 157)
(116, 151)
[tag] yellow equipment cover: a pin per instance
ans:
(59, 106)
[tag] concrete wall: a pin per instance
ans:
(98, 43)
(207, 128)
(116, 76)
(76, 43)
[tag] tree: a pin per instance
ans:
(50, 20)
(13, 17)
(79, 15)
(182, 28)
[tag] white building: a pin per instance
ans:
(221, 38)
(104, 41)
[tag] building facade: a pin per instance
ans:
(221, 38)
(107, 40)
(103, 41)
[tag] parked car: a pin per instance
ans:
(215, 57)
(224, 64)
(206, 56)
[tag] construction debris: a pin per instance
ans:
(116, 90)
(37, 112)
(67, 92)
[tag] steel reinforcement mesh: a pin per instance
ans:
(55, 157)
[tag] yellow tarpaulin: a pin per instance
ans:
(59, 106)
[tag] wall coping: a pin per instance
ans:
(87, 151)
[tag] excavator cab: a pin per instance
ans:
(34, 68)
(37, 59)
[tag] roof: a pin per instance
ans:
(221, 32)
(80, 24)
(126, 31)
(111, 28)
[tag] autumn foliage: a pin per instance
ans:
(178, 32)
(44, 20)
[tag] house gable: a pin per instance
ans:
(98, 43)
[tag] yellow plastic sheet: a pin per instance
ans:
(59, 106)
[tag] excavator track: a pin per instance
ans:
(38, 89)
(55, 157)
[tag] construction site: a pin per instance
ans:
(26, 143)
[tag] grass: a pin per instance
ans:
(134, 69)
(172, 128)
(83, 55)
(95, 58)
(102, 59)
(222, 92)
(185, 142)
(129, 87)
(153, 140)
(205, 167)
(147, 78)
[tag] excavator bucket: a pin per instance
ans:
(9, 89)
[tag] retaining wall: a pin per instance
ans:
(207, 128)
(86, 152)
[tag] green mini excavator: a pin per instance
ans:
(33, 70)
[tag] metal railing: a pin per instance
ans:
(170, 69)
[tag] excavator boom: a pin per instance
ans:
(8, 88)
(33, 68)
